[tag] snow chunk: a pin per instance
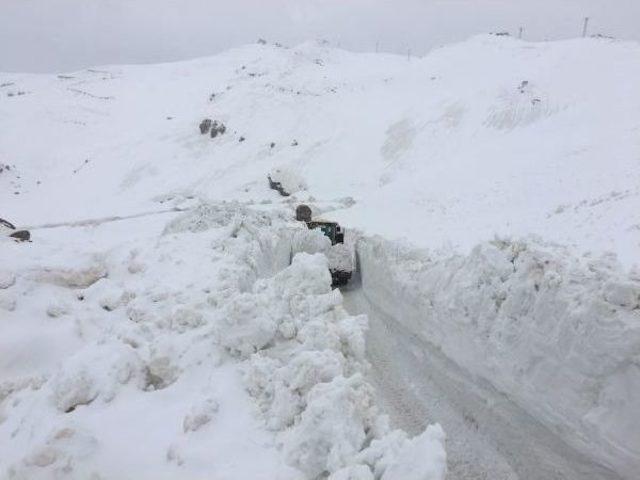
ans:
(289, 177)
(114, 298)
(422, 457)
(333, 428)
(199, 415)
(309, 241)
(183, 319)
(246, 326)
(353, 472)
(160, 371)
(56, 310)
(96, 371)
(623, 294)
(7, 279)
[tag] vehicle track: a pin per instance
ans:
(488, 435)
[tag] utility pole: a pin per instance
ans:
(520, 33)
(584, 28)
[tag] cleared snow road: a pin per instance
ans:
(488, 436)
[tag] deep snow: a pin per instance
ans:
(151, 350)
(556, 336)
(156, 303)
(490, 136)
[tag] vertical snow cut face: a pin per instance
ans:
(558, 335)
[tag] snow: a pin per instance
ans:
(456, 141)
(290, 179)
(490, 194)
(125, 360)
(182, 358)
(539, 325)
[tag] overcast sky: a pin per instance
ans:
(64, 35)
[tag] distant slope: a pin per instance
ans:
(492, 136)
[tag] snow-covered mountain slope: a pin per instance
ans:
(491, 136)
(194, 321)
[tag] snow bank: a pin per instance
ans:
(119, 345)
(559, 335)
(154, 343)
(304, 364)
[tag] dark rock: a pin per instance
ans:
(277, 186)
(241, 139)
(7, 224)
(523, 86)
(205, 126)
(273, 144)
(217, 128)
(21, 235)
(303, 213)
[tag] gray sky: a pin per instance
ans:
(63, 35)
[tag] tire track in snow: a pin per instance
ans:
(488, 436)
(92, 222)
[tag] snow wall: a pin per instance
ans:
(559, 335)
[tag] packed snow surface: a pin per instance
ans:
(169, 303)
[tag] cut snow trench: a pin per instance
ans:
(488, 434)
(303, 359)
